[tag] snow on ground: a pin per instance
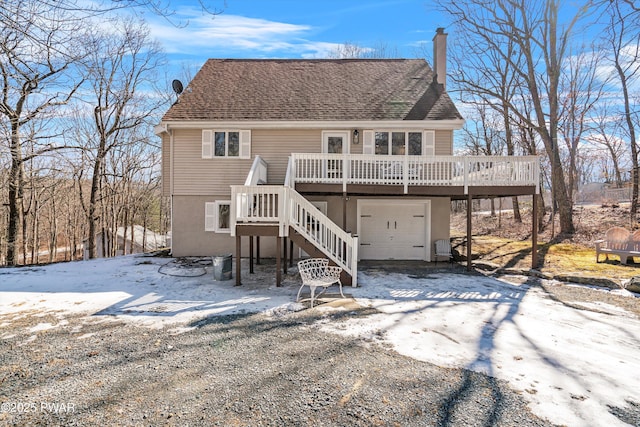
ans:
(132, 288)
(572, 365)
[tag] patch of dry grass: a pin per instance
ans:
(553, 258)
(507, 243)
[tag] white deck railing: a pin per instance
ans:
(415, 170)
(282, 205)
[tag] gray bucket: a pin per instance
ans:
(222, 267)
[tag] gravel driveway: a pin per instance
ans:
(249, 370)
(148, 358)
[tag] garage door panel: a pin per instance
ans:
(393, 231)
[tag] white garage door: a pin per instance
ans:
(393, 229)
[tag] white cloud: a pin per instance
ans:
(315, 50)
(220, 35)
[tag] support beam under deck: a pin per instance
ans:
(252, 230)
(534, 233)
(469, 210)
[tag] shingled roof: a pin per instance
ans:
(294, 90)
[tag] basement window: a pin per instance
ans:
(218, 216)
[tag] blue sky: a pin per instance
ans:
(295, 28)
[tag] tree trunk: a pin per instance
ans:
(550, 134)
(34, 235)
(125, 231)
(560, 196)
(517, 217)
(25, 229)
(94, 199)
(144, 230)
(53, 232)
(16, 188)
(13, 226)
(541, 211)
(133, 237)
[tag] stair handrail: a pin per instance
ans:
(317, 228)
(258, 173)
(341, 247)
(284, 206)
(289, 178)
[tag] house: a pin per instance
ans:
(351, 159)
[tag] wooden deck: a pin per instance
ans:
(454, 192)
(453, 176)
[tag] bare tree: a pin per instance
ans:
(488, 76)
(541, 42)
(35, 79)
(581, 90)
(608, 139)
(484, 133)
(351, 50)
(120, 69)
(13, 13)
(623, 36)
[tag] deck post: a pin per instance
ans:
(250, 254)
(345, 199)
(346, 171)
(405, 174)
(238, 257)
(258, 250)
(278, 260)
(534, 233)
(290, 252)
(469, 208)
(284, 249)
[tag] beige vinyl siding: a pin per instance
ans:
(440, 220)
(275, 147)
(189, 237)
(356, 148)
(444, 143)
(166, 165)
(194, 175)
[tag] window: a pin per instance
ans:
(415, 144)
(396, 143)
(412, 143)
(218, 216)
(382, 142)
(226, 144)
(335, 141)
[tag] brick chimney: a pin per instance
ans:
(440, 57)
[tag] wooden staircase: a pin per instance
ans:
(315, 252)
(289, 214)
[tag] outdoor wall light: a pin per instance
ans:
(356, 136)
